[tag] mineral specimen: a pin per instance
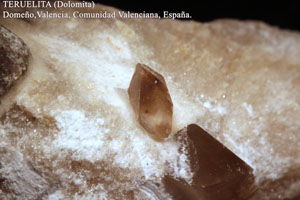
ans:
(151, 101)
(239, 80)
(14, 55)
(218, 173)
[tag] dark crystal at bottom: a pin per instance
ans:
(218, 173)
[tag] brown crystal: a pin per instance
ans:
(14, 56)
(218, 173)
(179, 190)
(151, 101)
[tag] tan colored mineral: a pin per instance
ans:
(239, 80)
(151, 101)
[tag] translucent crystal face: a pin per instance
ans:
(151, 101)
(218, 172)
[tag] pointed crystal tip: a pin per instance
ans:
(151, 101)
(218, 173)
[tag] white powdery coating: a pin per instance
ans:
(207, 105)
(214, 108)
(86, 138)
(249, 109)
(96, 70)
(58, 195)
(83, 136)
(101, 74)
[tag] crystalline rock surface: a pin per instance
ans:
(69, 131)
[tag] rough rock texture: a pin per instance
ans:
(239, 80)
(19, 176)
(14, 55)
